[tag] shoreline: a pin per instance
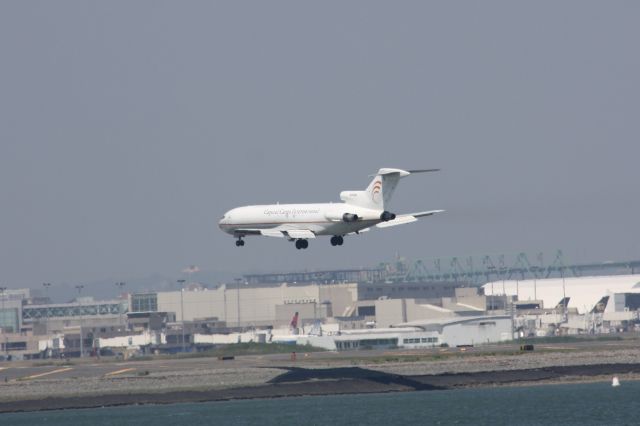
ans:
(299, 382)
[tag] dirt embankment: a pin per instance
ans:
(211, 380)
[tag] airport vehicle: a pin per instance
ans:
(359, 211)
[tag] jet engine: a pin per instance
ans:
(387, 216)
(350, 217)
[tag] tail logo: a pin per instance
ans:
(377, 187)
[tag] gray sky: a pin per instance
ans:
(128, 128)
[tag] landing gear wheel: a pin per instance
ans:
(337, 240)
(302, 244)
(239, 243)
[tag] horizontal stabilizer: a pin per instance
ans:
(402, 173)
(423, 170)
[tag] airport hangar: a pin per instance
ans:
(606, 294)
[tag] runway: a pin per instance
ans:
(90, 382)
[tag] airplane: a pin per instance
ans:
(359, 211)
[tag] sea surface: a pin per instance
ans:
(575, 404)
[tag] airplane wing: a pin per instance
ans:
(265, 232)
(243, 232)
(299, 233)
(407, 218)
(276, 232)
(359, 232)
(272, 233)
(427, 213)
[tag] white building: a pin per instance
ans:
(462, 331)
(133, 340)
(420, 334)
(584, 293)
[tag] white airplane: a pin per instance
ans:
(300, 222)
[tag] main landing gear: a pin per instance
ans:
(302, 244)
(337, 240)
(239, 242)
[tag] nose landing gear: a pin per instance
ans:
(302, 244)
(239, 242)
(337, 240)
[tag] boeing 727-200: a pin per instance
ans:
(359, 211)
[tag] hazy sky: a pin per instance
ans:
(128, 128)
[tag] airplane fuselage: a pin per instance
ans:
(320, 218)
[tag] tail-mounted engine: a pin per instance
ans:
(387, 216)
(350, 217)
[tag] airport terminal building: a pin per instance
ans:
(335, 314)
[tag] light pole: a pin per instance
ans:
(120, 285)
(503, 271)
(2, 290)
(181, 282)
(493, 295)
(46, 310)
(6, 346)
(564, 297)
(79, 287)
(534, 270)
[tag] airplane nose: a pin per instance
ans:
(224, 220)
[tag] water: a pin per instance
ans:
(578, 404)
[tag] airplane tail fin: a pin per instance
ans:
(563, 303)
(378, 194)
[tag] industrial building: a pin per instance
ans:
(256, 305)
(245, 304)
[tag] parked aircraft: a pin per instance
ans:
(359, 211)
